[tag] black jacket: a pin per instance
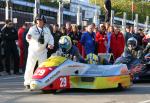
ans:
(56, 36)
(9, 34)
(9, 37)
(147, 49)
(0, 36)
(136, 53)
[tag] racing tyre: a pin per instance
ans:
(120, 87)
(49, 91)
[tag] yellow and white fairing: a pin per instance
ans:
(86, 76)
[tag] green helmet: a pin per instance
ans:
(92, 58)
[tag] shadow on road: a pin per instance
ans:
(132, 90)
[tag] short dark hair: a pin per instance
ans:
(56, 25)
(79, 27)
(93, 24)
(116, 26)
(8, 21)
(63, 27)
(141, 29)
(24, 24)
(128, 26)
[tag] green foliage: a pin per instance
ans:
(142, 8)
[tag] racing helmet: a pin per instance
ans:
(92, 59)
(132, 43)
(40, 17)
(65, 43)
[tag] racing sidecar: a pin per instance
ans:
(142, 72)
(58, 73)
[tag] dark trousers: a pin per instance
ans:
(107, 16)
(1, 65)
(25, 58)
(11, 51)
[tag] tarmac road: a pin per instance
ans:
(12, 91)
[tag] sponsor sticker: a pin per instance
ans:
(52, 77)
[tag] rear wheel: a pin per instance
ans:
(49, 91)
(120, 87)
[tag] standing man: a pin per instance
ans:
(25, 46)
(68, 27)
(88, 41)
(9, 36)
(1, 65)
(127, 34)
(101, 40)
(56, 34)
(39, 38)
(107, 7)
(20, 44)
(117, 42)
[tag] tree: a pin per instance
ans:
(141, 7)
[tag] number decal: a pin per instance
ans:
(63, 82)
(40, 72)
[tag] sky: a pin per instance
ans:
(84, 0)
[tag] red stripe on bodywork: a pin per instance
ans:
(62, 82)
(42, 72)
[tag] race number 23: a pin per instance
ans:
(63, 82)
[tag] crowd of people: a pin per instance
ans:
(22, 48)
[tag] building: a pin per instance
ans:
(23, 7)
(88, 10)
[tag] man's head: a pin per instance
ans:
(132, 29)
(103, 28)
(65, 43)
(79, 27)
(63, 29)
(24, 25)
(116, 29)
(93, 26)
(9, 23)
(131, 43)
(68, 25)
(40, 20)
(55, 27)
(74, 28)
(89, 29)
(107, 25)
(111, 29)
(128, 28)
(92, 59)
(100, 25)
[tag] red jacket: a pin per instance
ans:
(101, 39)
(117, 44)
(20, 37)
(21, 46)
(146, 39)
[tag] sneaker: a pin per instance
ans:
(27, 86)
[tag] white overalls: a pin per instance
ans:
(36, 51)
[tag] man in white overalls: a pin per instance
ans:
(39, 38)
